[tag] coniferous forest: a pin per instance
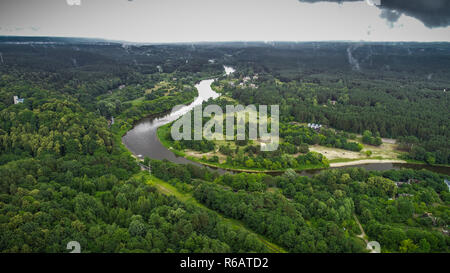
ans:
(66, 176)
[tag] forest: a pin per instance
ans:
(417, 115)
(66, 176)
(318, 214)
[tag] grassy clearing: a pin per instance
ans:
(384, 151)
(137, 102)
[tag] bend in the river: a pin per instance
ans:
(142, 140)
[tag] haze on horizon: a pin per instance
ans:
(160, 21)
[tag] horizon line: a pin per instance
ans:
(218, 41)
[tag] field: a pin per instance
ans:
(386, 152)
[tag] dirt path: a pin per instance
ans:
(363, 234)
(365, 161)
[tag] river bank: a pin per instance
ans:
(365, 161)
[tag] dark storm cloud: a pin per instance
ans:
(433, 13)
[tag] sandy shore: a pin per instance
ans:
(366, 161)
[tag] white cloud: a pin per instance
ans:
(373, 2)
(73, 2)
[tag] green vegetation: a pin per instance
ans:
(390, 96)
(316, 214)
(186, 196)
(368, 138)
(65, 176)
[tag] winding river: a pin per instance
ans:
(142, 139)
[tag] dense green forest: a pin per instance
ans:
(397, 90)
(318, 214)
(65, 176)
(386, 110)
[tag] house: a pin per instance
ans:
(405, 195)
(333, 102)
(17, 100)
(111, 122)
(448, 183)
(314, 126)
(411, 181)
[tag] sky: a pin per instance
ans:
(161, 21)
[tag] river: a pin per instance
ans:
(142, 139)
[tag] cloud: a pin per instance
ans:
(432, 13)
(391, 16)
(73, 2)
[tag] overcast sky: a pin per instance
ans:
(226, 20)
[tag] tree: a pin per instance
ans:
(303, 148)
(407, 246)
(380, 186)
(367, 137)
(137, 228)
(249, 163)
